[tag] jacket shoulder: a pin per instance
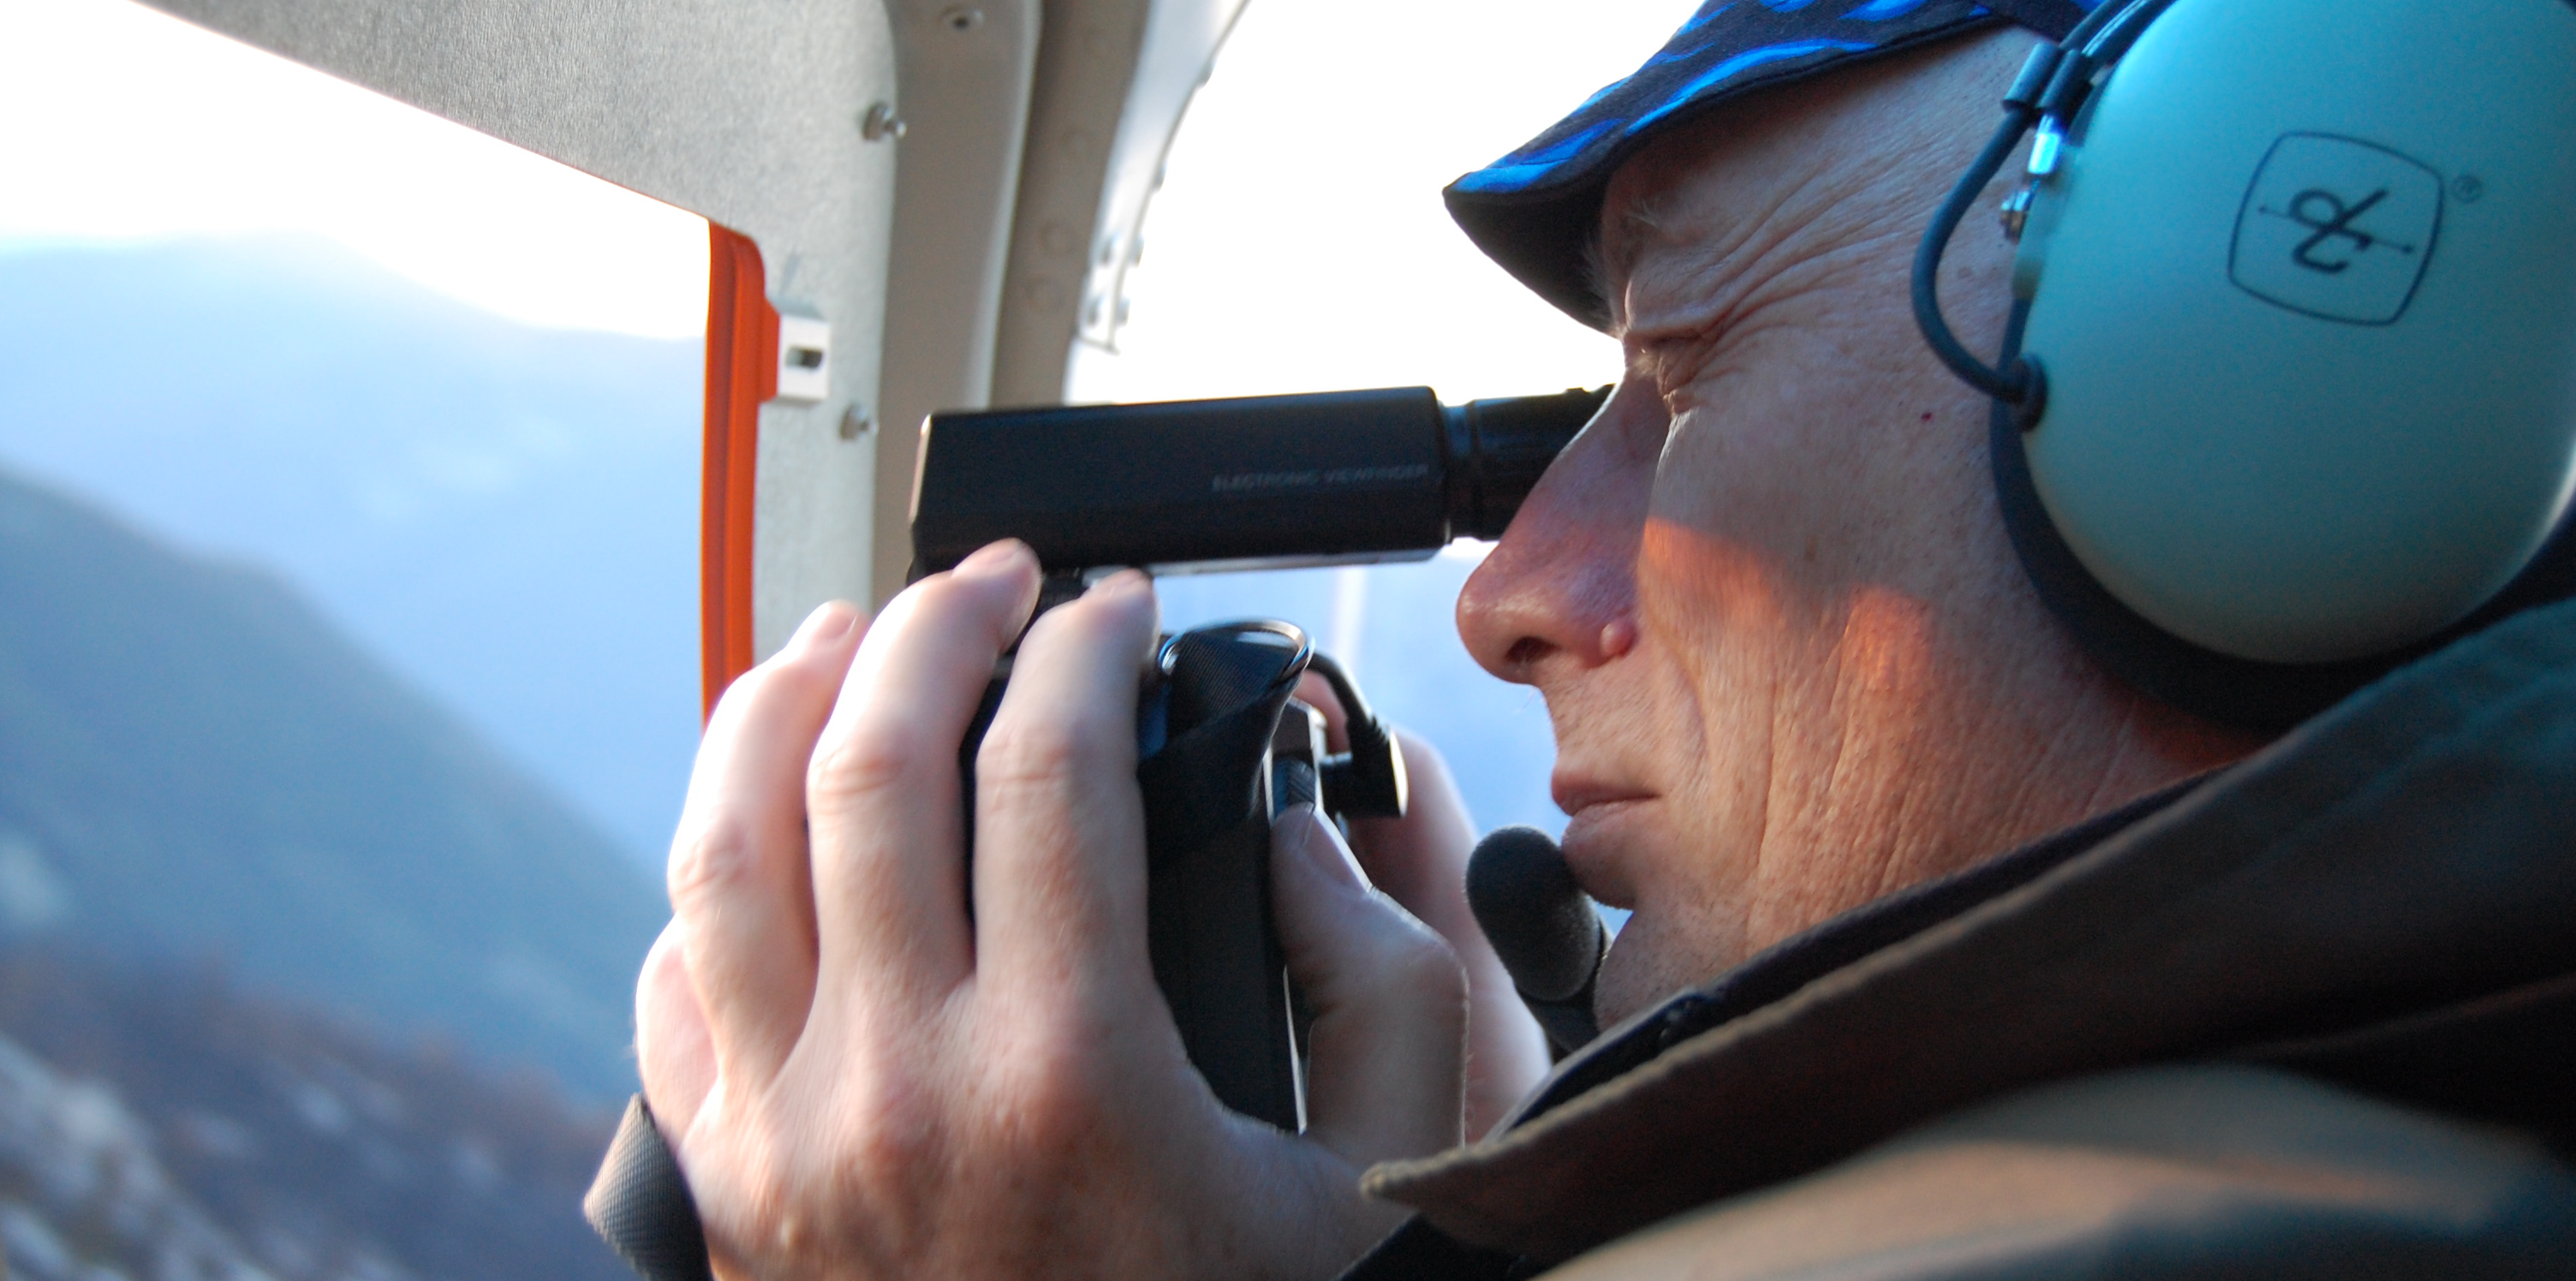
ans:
(2199, 1171)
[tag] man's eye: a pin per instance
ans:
(1673, 392)
(1675, 363)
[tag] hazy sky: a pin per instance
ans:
(123, 122)
(1300, 241)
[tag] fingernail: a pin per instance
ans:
(992, 556)
(829, 622)
(1124, 581)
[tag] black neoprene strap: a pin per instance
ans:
(641, 1205)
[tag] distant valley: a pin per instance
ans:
(507, 515)
(319, 921)
(159, 1123)
(197, 767)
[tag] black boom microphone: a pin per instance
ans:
(1544, 928)
(1258, 482)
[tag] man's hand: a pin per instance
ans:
(1420, 860)
(860, 1079)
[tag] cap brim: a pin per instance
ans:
(1537, 211)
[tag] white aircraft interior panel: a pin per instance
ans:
(965, 68)
(1113, 80)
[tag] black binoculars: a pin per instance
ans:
(1262, 482)
(1224, 745)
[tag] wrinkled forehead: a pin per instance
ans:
(1536, 210)
(1802, 171)
(1672, 197)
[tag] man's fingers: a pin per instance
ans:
(1060, 827)
(884, 791)
(1390, 1002)
(737, 875)
(1421, 861)
(674, 1051)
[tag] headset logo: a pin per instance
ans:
(2336, 228)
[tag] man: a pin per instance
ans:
(1952, 953)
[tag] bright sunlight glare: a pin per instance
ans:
(133, 125)
(1299, 242)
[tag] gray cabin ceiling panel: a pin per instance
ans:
(716, 107)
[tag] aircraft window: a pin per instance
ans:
(1299, 244)
(348, 672)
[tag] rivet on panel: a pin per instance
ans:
(855, 422)
(961, 18)
(880, 123)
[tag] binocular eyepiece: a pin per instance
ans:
(1258, 482)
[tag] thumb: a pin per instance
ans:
(674, 1053)
(1386, 1055)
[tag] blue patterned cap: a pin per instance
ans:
(1536, 210)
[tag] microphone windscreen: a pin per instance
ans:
(1540, 922)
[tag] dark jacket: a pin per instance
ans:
(2312, 1016)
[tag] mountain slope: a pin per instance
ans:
(157, 1123)
(193, 762)
(506, 514)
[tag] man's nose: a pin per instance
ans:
(1561, 586)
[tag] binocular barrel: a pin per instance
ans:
(1255, 482)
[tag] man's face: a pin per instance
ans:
(1791, 661)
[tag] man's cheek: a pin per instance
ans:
(1726, 625)
(1691, 584)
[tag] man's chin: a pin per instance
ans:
(1602, 841)
(1623, 987)
(1640, 973)
(1661, 953)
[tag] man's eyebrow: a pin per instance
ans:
(1651, 359)
(1625, 237)
(1613, 254)
(1598, 277)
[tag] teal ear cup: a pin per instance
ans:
(2229, 690)
(2306, 299)
(2297, 294)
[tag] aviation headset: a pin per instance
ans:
(2288, 393)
